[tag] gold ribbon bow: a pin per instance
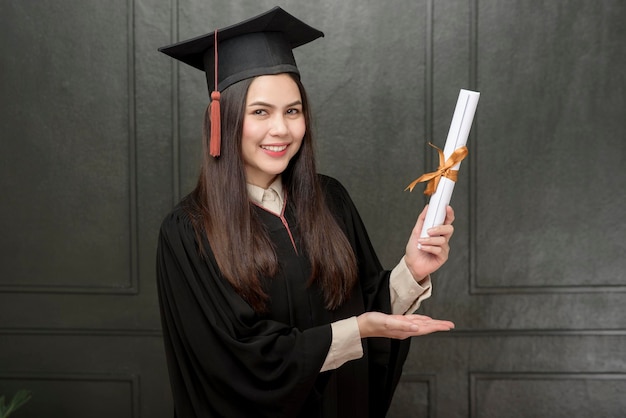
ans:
(444, 170)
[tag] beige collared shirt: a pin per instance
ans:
(406, 293)
(271, 198)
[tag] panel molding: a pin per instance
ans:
(474, 287)
(133, 284)
(130, 378)
(457, 333)
(482, 333)
(83, 332)
(175, 106)
(476, 377)
(429, 80)
(430, 380)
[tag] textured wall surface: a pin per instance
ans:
(99, 137)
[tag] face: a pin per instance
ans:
(273, 127)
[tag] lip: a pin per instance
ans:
(275, 150)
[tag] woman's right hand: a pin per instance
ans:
(400, 327)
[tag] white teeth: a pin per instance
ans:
(274, 148)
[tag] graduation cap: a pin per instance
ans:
(261, 45)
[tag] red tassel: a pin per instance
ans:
(216, 136)
(216, 128)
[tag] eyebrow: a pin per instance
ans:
(260, 103)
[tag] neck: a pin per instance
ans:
(262, 184)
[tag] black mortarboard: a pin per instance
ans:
(260, 45)
(257, 46)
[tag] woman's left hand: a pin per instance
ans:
(425, 255)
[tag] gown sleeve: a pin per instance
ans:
(218, 350)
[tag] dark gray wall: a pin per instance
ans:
(100, 136)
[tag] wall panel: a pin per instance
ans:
(68, 171)
(101, 134)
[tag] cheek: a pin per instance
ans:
(298, 129)
(252, 133)
(248, 131)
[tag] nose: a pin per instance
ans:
(278, 126)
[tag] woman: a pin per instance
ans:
(270, 291)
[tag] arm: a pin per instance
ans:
(423, 257)
(406, 293)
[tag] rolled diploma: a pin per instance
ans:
(457, 137)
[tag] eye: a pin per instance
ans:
(259, 112)
(293, 111)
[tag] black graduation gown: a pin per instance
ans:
(226, 361)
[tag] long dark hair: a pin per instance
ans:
(220, 208)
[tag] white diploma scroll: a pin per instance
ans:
(457, 138)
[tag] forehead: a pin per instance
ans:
(280, 87)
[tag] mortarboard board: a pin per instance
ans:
(257, 46)
(260, 45)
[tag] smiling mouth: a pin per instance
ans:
(274, 148)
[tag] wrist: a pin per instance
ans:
(362, 322)
(423, 280)
(418, 276)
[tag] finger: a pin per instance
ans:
(434, 245)
(414, 317)
(438, 252)
(423, 319)
(421, 328)
(419, 224)
(441, 231)
(436, 240)
(449, 215)
(438, 325)
(430, 330)
(407, 323)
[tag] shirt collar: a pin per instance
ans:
(256, 192)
